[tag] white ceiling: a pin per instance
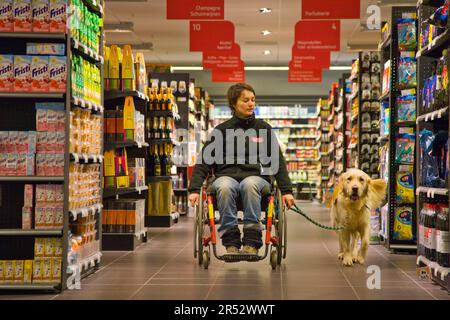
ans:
(170, 38)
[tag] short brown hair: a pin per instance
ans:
(234, 92)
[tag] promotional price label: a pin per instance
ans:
(211, 35)
(195, 9)
(318, 35)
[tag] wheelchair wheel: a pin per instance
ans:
(284, 233)
(280, 227)
(206, 259)
(273, 259)
(198, 234)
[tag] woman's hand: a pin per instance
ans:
(193, 199)
(288, 200)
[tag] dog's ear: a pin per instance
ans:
(377, 193)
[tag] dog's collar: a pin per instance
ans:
(367, 207)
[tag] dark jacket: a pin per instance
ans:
(237, 169)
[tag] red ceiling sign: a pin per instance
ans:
(211, 35)
(195, 9)
(296, 75)
(318, 35)
(330, 9)
(310, 59)
(225, 59)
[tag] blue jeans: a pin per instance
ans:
(227, 190)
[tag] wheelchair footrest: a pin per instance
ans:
(236, 257)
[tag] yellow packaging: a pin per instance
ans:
(56, 269)
(58, 247)
(27, 271)
(141, 74)
(128, 114)
(128, 69)
(109, 164)
(2, 271)
(39, 247)
(49, 247)
(37, 270)
(18, 271)
(114, 71)
(47, 269)
(123, 182)
(9, 271)
(106, 62)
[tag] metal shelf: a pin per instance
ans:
(435, 48)
(111, 192)
(37, 287)
(35, 232)
(33, 35)
(86, 104)
(117, 94)
(432, 191)
(431, 116)
(33, 179)
(33, 95)
(123, 144)
(86, 52)
(87, 158)
(385, 44)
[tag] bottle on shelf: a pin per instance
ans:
(163, 159)
(180, 181)
(155, 128)
(157, 162)
(169, 162)
(162, 128)
(169, 99)
(180, 204)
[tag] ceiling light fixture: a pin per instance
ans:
(256, 68)
(186, 68)
(119, 27)
(267, 52)
(265, 10)
(265, 32)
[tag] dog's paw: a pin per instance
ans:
(347, 260)
(341, 256)
(360, 259)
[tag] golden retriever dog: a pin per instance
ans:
(354, 197)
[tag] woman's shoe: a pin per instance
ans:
(250, 250)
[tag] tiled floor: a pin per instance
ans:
(164, 268)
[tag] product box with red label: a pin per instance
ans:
(58, 73)
(6, 73)
(6, 16)
(27, 213)
(28, 195)
(22, 16)
(58, 16)
(22, 73)
(39, 74)
(41, 15)
(27, 142)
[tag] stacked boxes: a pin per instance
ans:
(115, 131)
(124, 216)
(17, 152)
(84, 185)
(116, 173)
(136, 172)
(84, 229)
(49, 207)
(50, 145)
(85, 132)
(26, 73)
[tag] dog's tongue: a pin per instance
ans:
(354, 197)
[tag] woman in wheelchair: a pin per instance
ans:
(241, 171)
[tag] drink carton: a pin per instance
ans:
(9, 271)
(41, 120)
(22, 16)
(28, 195)
(58, 73)
(37, 270)
(39, 218)
(27, 212)
(6, 73)
(58, 16)
(39, 74)
(51, 49)
(27, 271)
(18, 271)
(56, 269)
(41, 15)
(22, 73)
(6, 16)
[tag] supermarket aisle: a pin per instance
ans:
(164, 268)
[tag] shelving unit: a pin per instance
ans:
(18, 243)
(433, 117)
(325, 151)
(389, 166)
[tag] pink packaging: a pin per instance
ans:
(49, 216)
(59, 164)
(27, 142)
(3, 161)
(52, 117)
(50, 165)
(41, 142)
(41, 120)
(13, 142)
(50, 193)
(51, 141)
(22, 73)
(27, 213)
(60, 142)
(3, 141)
(6, 71)
(58, 73)
(21, 166)
(61, 121)
(11, 165)
(59, 216)
(41, 163)
(41, 192)
(59, 193)
(40, 81)
(6, 16)
(28, 195)
(22, 16)
(58, 16)
(39, 216)
(31, 166)
(41, 15)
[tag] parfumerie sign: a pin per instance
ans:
(330, 9)
(195, 9)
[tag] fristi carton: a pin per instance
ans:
(6, 73)
(6, 16)
(41, 15)
(40, 80)
(22, 16)
(58, 16)
(22, 73)
(58, 73)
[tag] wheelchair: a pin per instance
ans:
(274, 219)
